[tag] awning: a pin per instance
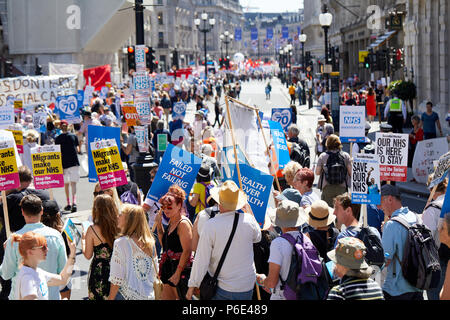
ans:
(381, 40)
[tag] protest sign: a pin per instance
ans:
(228, 161)
(365, 179)
(446, 206)
(69, 108)
(40, 121)
(6, 116)
(162, 142)
(283, 116)
(18, 105)
(140, 58)
(97, 133)
(257, 185)
(179, 110)
(442, 170)
(108, 165)
(143, 109)
(9, 176)
(62, 69)
(280, 144)
(71, 231)
(392, 151)
(141, 82)
(178, 167)
(97, 76)
(88, 94)
(37, 90)
(352, 122)
(47, 167)
(426, 152)
(18, 138)
(142, 138)
(130, 114)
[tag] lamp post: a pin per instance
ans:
(226, 38)
(325, 19)
(207, 27)
(302, 39)
(288, 50)
(282, 64)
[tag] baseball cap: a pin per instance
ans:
(390, 190)
(64, 122)
(50, 207)
(290, 194)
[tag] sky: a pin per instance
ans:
(272, 5)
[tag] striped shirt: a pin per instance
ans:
(352, 288)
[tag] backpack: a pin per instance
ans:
(336, 171)
(128, 196)
(420, 263)
(307, 277)
(208, 188)
(374, 248)
(300, 155)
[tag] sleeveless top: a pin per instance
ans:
(98, 279)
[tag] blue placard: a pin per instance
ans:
(80, 98)
(69, 108)
(299, 30)
(446, 205)
(283, 116)
(254, 34)
(238, 34)
(100, 133)
(280, 144)
(257, 185)
(228, 161)
(285, 32)
(179, 110)
(269, 33)
(178, 167)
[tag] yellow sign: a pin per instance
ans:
(18, 104)
(107, 160)
(46, 163)
(363, 55)
(8, 163)
(18, 137)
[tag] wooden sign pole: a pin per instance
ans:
(5, 214)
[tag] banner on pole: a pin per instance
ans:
(47, 167)
(392, 151)
(365, 179)
(352, 123)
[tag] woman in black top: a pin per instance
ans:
(176, 259)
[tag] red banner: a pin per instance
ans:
(99, 76)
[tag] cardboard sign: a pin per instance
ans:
(88, 94)
(47, 167)
(365, 183)
(140, 58)
(18, 138)
(442, 170)
(179, 110)
(352, 122)
(426, 152)
(257, 185)
(143, 109)
(69, 108)
(9, 176)
(130, 114)
(142, 138)
(162, 142)
(40, 121)
(178, 167)
(6, 116)
(280, 144)
(97, 133)
(283, 116)
(392, 151)
(108, 164)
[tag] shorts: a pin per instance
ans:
(72, 174)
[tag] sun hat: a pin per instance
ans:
(321, 118)
(229, 196)
(287, 214)
(349, 253)
(319, 214)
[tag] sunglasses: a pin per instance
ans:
(98, 193)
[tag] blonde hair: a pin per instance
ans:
(290, 170)
(136, 225)
(115, 195)
(333, 142)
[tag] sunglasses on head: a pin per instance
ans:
(98, 193)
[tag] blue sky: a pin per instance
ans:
(272, 5)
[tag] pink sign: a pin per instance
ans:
(9, 176)
(47, 167)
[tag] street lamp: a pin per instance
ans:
(302, 39)
(282, 64)
(226, 38)
(288, 51)
(325, 20)
(207, 27)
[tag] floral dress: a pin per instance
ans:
(98, 279)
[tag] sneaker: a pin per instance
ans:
(67, 208)
(74, 208)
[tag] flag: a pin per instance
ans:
(98, 76)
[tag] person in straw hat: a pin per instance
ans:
(237, 276)
(354, 272)
(287, 216)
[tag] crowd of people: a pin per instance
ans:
(207, 244)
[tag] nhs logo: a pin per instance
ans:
(352, 120)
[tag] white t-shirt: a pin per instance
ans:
(32, 282)
(281, 254)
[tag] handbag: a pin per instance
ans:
(157, 283)
(208, 286)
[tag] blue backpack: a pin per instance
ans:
(307, 279)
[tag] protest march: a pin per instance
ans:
(190, 186)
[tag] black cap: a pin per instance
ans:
(384, 127)
(390, 190)
(50, 207)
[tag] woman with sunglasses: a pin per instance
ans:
(97, 242)
(176, 240)
(32, 282)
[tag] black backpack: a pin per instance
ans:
(420, 263)
(300, 154)
(374, 248)
(335, 171)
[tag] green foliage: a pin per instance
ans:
(406, 90)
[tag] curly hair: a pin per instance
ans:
(105, 216)
(175, 192)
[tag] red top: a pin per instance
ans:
(418, 136)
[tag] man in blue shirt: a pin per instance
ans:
(56, 257)
(396, 287)
(430, 120)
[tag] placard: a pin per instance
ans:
(352, 123)
(108, 164)
(162, 142)
(280, 144)
(40, 121)
(6, 116)
(365, 182)
(142, 138)
(140, 58)
(283, 116)
(392, 151)
(18, 138)
(426, 152)
(178, 167)
(69, 108)
(47, 167)
(9, 176)
(143, 109)
(130, 114)
(179, 110)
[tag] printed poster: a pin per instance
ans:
(280, 144)
(352, 123)
(427, 151)
(392, 151)
(47, 167)
(365, 182)
(9, 176)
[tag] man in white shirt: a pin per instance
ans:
(238, 274)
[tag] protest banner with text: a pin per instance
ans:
(365, 179)
(108, 164)
(130, 114)
(6, 116)
(280, 144)
(18, 138)
(426, 152)
(47, 167)
(283, 116)
(142, 138)
(69, 108)
(392, 152)
(352, 123)
(9, 176)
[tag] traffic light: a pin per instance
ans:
(131, 58)
(381, 60)
(150, 59)
(175, 59)
(8, 69)
(220, 63)
(367, 62)
(38, 70)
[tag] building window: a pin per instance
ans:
(160, 18)
(160, 2)
(161, 38)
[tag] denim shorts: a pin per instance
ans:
(227, 295)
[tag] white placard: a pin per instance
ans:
(427, 151)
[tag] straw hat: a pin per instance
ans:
(287, 215)
(319, 214)
(229, 196)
